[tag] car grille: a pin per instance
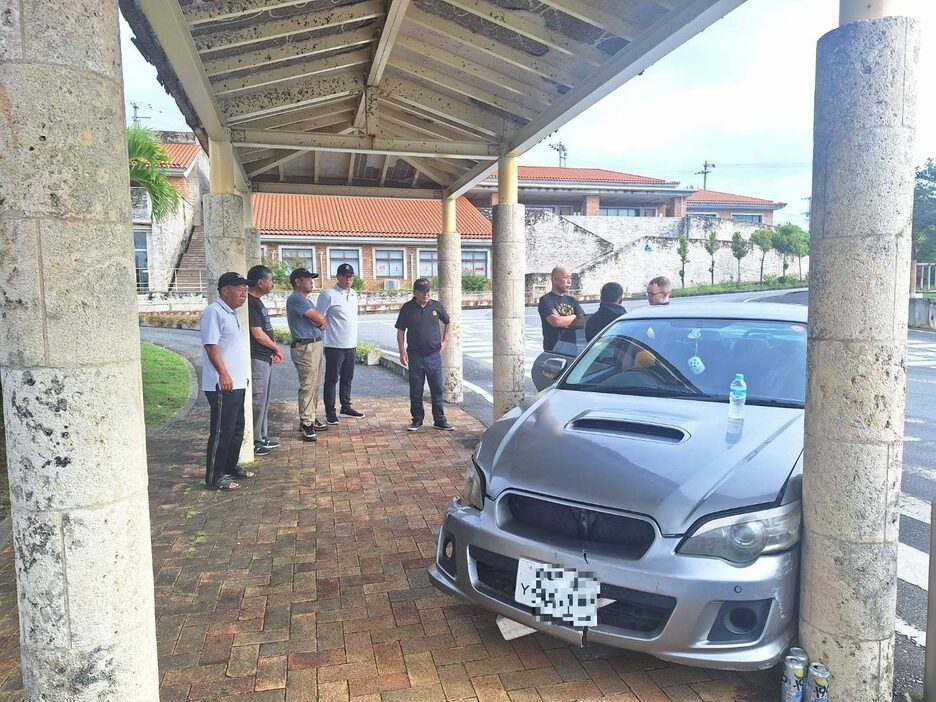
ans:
(635, 612)
(632, 537)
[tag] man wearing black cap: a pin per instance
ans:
(339, 306)
(225, 376)
(419, 321)
(305, 326)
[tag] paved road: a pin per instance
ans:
(919, 474)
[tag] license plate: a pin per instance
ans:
(558, 593)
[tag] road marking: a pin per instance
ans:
(479, 390)
(912, 566)
(910, 439)
(915, 508)
(911, 632)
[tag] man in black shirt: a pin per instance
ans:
(561, 314)
(418, 322)
(612, 294)
(264, 352)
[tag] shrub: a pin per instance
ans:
(364, 348)
(281, 335)
(358, 284)
(170, 320)
(473, 282)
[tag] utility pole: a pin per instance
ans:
(136, 112)
(563, 152)
(809, 211)
(706, 169)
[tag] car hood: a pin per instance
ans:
(673, 460)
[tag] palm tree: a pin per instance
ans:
(148, 163)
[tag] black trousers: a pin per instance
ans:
(225, 434)
(421, 369)
(339, 368)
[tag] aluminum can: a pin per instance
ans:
(818, 681)
(794, 679)
(800, 654)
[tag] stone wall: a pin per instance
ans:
(166, 242)
(552, 240)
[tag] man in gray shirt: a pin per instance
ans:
(305, 326)
(339, 305)
(225, 376)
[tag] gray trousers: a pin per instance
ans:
(307, 358)
(260, 374)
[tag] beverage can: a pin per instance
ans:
(818, 681)
(794, 679)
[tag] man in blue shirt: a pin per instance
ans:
(306, 326)
(225, 376)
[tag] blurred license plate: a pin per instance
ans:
(558, 593)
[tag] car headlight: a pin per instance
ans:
(741, 538)
(473, 492)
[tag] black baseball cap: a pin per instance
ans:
(298, 273)
(231, 278)
(344, 269)
(421, 285)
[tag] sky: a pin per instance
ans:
(739, 95)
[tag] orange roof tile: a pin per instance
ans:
(713, 197)
(557, 174)
(182, 155)
(362, 216)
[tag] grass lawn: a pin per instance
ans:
(165, 390)
(166, 383)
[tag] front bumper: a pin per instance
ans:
(669, 604)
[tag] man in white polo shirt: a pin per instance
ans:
(225, 376)
(339, 306)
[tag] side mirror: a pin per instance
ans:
(553, 367)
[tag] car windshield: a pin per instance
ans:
(696, 359)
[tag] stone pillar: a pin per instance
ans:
(450, 295)
(508, 268)
(223, 216)
(70, 359)
(252, 253)
(861, 205)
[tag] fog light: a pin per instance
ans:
(740, 622)
(449, 549)
(447, 554)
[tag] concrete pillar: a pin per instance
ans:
(508, 268)
(861, 210)
(450, 295)
(70, 359)
(225, 251)
(251, 233)
(221, 167)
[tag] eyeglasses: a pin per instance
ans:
(654, 294)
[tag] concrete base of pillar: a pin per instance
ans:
(508, 274)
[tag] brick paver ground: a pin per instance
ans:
(310, 583)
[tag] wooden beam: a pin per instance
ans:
(392, 24)
(402, 115)
(503, 53)
(448, 80)
(451, 130)
(532, 26)
(383, 171)
(351, 168)
(255, 138)
(589, 13)
(255, 32)
(299, 93)
(440, 177)
(292, 118)
(308, 48)
(279, 159)
(508, 83)
(283, 74)
(346, 190)
(197, 13)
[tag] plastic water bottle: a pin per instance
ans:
(737, 394)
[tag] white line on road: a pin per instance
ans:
(915, 508)
(479, 390)
(912, 566)
(911, 632)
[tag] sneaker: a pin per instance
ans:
(321, 426)
(308, 432)
(444, 425)
(414, 425)
(269, 443)
(331, 418)
(260, 449)
(350, 412)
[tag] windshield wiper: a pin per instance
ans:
(768, 402)
(640, 390)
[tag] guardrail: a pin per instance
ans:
(924, 278)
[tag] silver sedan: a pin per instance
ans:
(622, 506)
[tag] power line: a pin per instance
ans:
(706, 169)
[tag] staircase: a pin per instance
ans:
(192, 272)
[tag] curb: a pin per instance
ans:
(6, 531)
(189, 403)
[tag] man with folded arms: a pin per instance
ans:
(306, 326)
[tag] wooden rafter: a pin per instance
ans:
(591, 14)
(299, 93)
(284, 74)
(367, 106)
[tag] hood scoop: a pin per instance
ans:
(610, 424)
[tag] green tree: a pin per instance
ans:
(801, 247)
(740, 247)
(682, 249)
(924, 213)
(762, 239)
(712, 245)
(148, 163)
(787, 241)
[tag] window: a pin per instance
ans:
(755, 218)
(264, 253)
(388, 263)
(475, 261)
(338, 256)
(428, 263)
(649, 212)
(298, 257)
(619, 212)
(141, 261)
(707, 215)
(555, 209)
